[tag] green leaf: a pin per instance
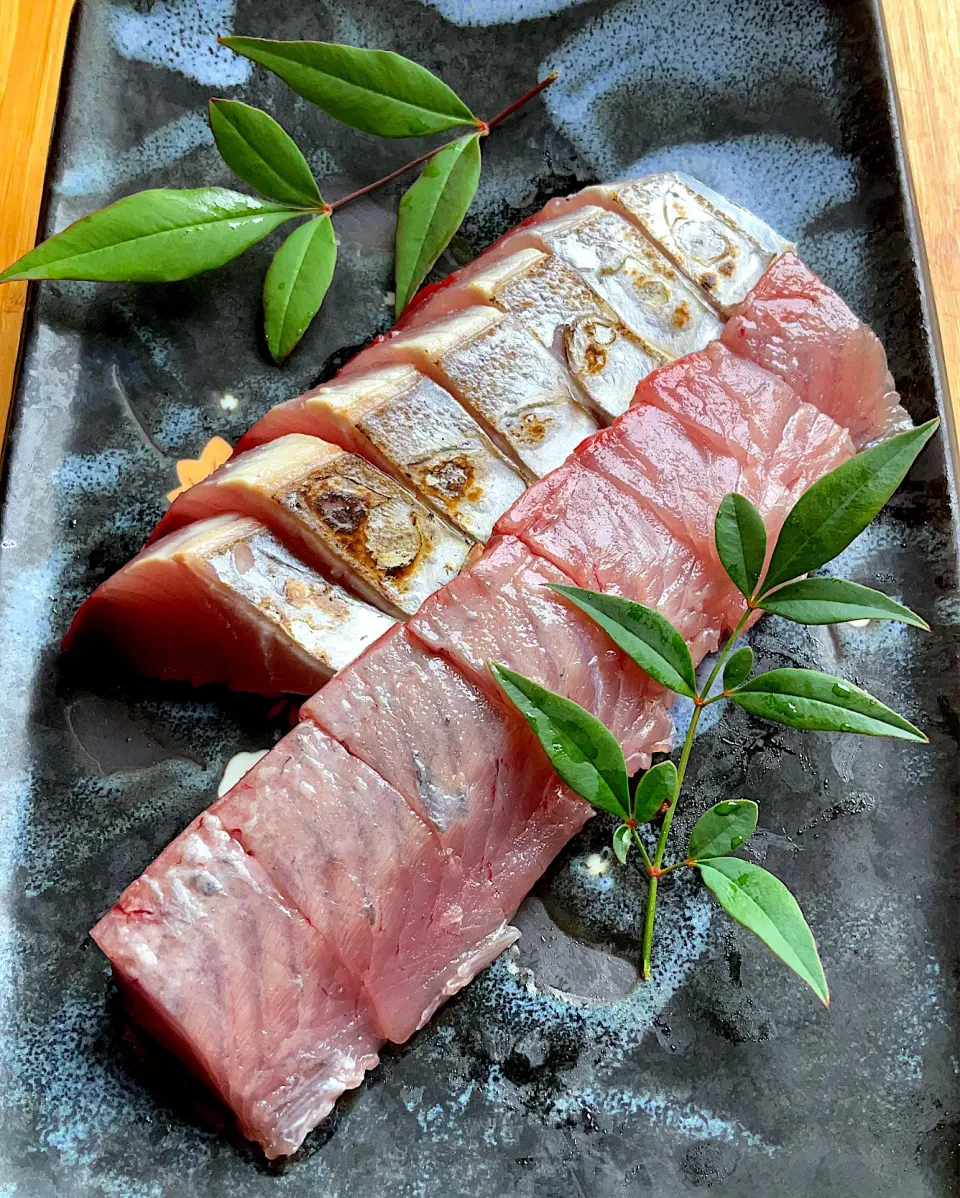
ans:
(738, 667)
(819, 702)
(741, 538)
(374, 90)
(723, 829)
(828, 516)
(642, 633)
(431, 212)
(834, 600)
(582, 751)
(154, 237)
(766, 907)
(261, 153)
(657, 786)
(296, 283)
(621, 842)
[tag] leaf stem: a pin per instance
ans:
(484, 128)
(654, 877)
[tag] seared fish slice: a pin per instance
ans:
(224, 601)
(337, 512)
(412, 429)
(722, 247)
(503, 376)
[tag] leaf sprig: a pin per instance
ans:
(165, 235)
(826, 518)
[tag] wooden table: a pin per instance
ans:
(924, 38)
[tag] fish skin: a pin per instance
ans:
(277, 1026)
(469, 767)
(344, 847)
(181, 607)
(337, 513)
(412, 429)
(499, 609)
(795, 326)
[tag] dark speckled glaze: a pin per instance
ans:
(553, 1074)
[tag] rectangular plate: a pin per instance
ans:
(552, 1074)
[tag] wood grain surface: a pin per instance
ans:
(924, 41)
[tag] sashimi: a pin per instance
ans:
(502, 375)
(471, 768)
(794, 325)
(338, 513)
(500, 609)
(410, 428)
(344, 847)
(222, 969)
(223, 601)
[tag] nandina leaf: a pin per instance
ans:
(261, 153)
(838, 507)
(813, 701)
(761, 902)
(741, 538)
(657, 786)
(296, 283)
(154, 237)
(583, 752)
(642, 633)
(374, 90)
(622, 840)
(833, 601)
(432, 210)
(737, 668)
(722, 829)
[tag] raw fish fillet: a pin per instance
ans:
(410, 428)
(469, 767)
(223, 601)
(218, 966)
(499, 609)
(794, 325)
(502, 375)
(345, 848)
(338, 513)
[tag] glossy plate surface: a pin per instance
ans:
(553, 1074)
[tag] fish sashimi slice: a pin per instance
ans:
(470, 768)
(605, 360)
(345, 848)
(223, 601)
(336, 512)
(794, 325)
(611, 541)
(411, 429)
(218, 966)
(502, 375)
(499, 609)
(720, 246)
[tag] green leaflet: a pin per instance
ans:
(738, 667)
(657, 786)
(296, 283)
(582, 751)
(154, 237)
(813, 701)
(432, 210)
(643, 634)
(622, 839)
(261, 153)
(766, 907)
(828, 516)
(741, 539)
(374, 90)
(833, 600)
(723, 829)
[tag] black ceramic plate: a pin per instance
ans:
(554, 1074)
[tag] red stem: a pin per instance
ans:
(483, 126)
